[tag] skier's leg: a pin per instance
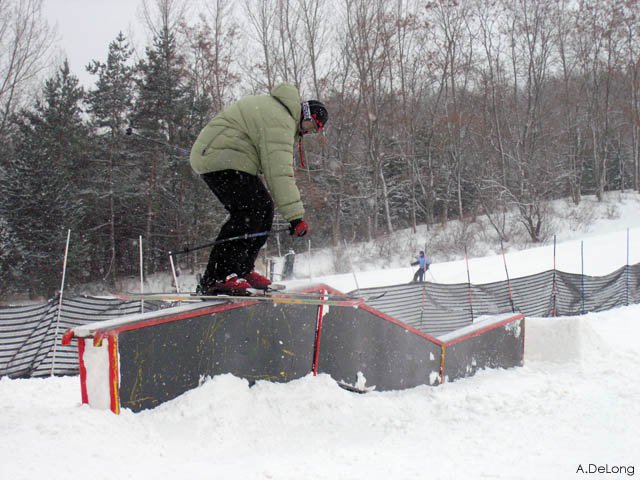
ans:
(251, 210)
(259, 219)
(235, 190)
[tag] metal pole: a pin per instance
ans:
(627, 268)
(175, 277)
(355, 279)
(423, 303)
(141, 274)
(64, 272)
(553, 284)
(582, 276)
(504, 260)
(466, 258)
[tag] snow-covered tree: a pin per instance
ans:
(111, 192)
(42, 183)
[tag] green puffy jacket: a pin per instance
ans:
(256, 135)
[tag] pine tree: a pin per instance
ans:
(42, 184)
(111, 193)
(160, 111)
(12, 258)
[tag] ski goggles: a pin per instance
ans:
(307, 115)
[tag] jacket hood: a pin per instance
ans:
(289, 96)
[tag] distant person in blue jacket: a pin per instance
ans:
(423, 261)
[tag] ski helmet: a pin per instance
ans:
(316, 111)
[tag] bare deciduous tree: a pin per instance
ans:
(25, 47)
(213, 44)
(262, 19)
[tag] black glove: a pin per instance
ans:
(298, 227)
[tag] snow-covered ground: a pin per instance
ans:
(574, 406)
(591, 238)
(576, 402)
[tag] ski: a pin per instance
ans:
(279, 290)
(280, 298)
(354, 389)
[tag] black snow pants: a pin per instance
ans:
(250, 209)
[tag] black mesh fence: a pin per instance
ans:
(437, 309)
(27, 333)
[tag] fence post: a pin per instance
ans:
(627, 269)
(466, 258)
(353, 272)
(141, 273)
(554, 285)
(64, 272)
(174, 273)
(504, 260)
(423, 302)
(582, 276)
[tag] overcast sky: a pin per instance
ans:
(86, 27)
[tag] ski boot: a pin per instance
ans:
(257, 281)
(232, 285)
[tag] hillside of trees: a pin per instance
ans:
(438, 110)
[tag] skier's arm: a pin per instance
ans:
(276, 154)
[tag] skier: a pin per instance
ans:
(253, 136)
(423, 261)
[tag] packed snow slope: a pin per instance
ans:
(573, 407)
(591, 239)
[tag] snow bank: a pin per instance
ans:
(562, 340)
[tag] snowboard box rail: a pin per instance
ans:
(143, 360)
